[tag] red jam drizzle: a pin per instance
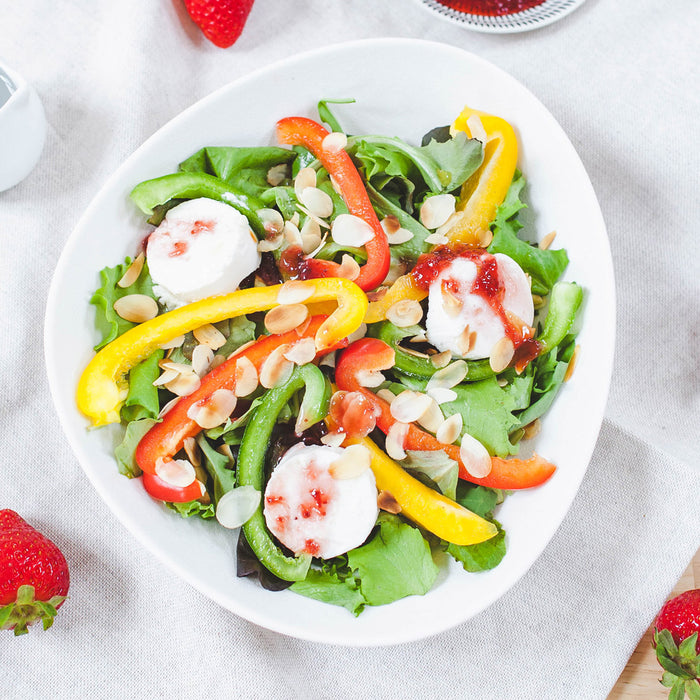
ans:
(200, 226)
(294, 264)
(491, 8)
(316, 506)
(353, 412)
(312, 547)
(177, 248)
(486, 284)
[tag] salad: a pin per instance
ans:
(336, 347)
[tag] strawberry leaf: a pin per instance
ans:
(693, 689)
(687, 647)
(5, 615)
(677, 691)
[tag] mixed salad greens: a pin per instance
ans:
(355, 398)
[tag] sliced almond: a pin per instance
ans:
(192, 451)
(401, 236)
(286, 317)
(136, 308)
(306, 177)
(451, 222)
(378, 294)
(246, 377)
(354, 462)
(302, 352)
(450, 429)
(167, 376)
(269, 244)
(436, 239)
(349, 269)
(386, 395)
(218, 360)
(396, 269)
(475, 457)
(176, 472)
(301, 329)
(572, 363)
(432, 418)
(237, 506)
(132, 272)
(442, 395)
(436, 210)
(272, 220)
(184, 384)
(405, 313)
(350, 230)
(476, 128)
(369, 378)
(485, 237)
(532, 429)
(168, 407)
(449, 376)
(209, 335)
(294, 292)
(292, 234)
(317, 249)
(175, 342)
(311, 237)
(409, 406)
(225, 450)
(416, 353)
(387, 502)
(277, 174)
(360, 333)
(213, 410)
(333, 439)
(327, 360)
(451, 302)
(241, 348)
(441, 359)
(179, 367)
(316, 201)
(202, 357)
(276, 369)
(547, 240)
(466, 341)
(334, 142)
(501, 354)
(390, 224)
(396, 439)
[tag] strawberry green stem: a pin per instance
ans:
(26, 610)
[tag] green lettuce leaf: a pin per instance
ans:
(108, 323)
(219, 468)
(331, 587)
(193, 509)
(478, 499)
(142, 400)
(483, 556)
(436, 466)
(124, 451)
(457, 158)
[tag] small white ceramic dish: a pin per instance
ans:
(415, 86)
(533, 18)
(22, 128)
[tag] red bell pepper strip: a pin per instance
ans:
(310, 134)
(166, 438)
(163, 491)
(370, 354)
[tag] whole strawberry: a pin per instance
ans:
(221, 21)
(33, 575)
(677, 645)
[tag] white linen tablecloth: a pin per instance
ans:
(623, 82)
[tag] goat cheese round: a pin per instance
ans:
(451, 312)
(309, 510)
(203, 247)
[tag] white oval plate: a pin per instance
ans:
(415, 86)
(534, 18)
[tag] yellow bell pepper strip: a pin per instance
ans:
(428, 508)
(405, 287)
(369, 354)
(168, 436)
(310, 134)
(103, 386)
(486, 189)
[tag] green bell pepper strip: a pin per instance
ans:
(251, 460)
(564, 301)
(188, 185)
(419, 366)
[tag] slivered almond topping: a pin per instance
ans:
(445, 229)
(436, 210)
(452, 303)
(294, 292)
(176, 472)
(442, 395)
(277, 174)
(532, 429)
(317, 249)
(396, 439)
(333, 439)
(286, 317)
(485, 238)
(202, 357)
(405, 313)
(352, 463)
(466, 341)
(547, 240)
(295, 219)
(213, 410)
(572, 363)
(276, 368)
(501, 354)
(334, 142)
(179, 367)
(192, 451)
(225, 450)
(300, 330)
(449, 376)
(269, 244)
(432, 419)
(241, 348)
(361, 332)
(390, 224)
(311, 237)
(409, 406)
(436, 239)
(306, 177)
(396, 270)
(449, 431)
(387, 502)
(218, 360)
(378, 294)
(369, 378)
(136, 308)
(321, 222)
(167, 376)
(327, 360)
(335, 185)
(387, 395)
(184, 384)
(349, 269)
(302, 352)
(316, 201)
(210, 336)
(351, 230)
(246, 377)
(416, 353)
(168, 406)
(174, 343)
(292, 234)
(475, 457)
(420, 338)
(441, 359)
(477, 128)
(132, 272)
(272, 220)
